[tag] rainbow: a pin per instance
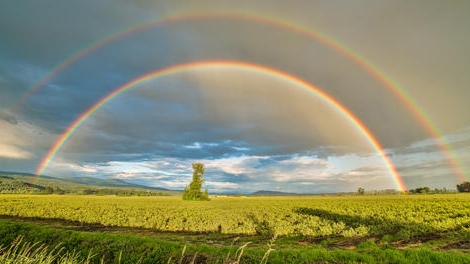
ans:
(418, 113)
(211, 64)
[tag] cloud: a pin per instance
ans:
(9, 118)
(230, 174)
(74, 100)
(22, 140)
(204, 120)
(45, 41)
(13, 152)
(426, 163)
(216, 187)
(299, 172)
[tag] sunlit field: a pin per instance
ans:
(287, 224)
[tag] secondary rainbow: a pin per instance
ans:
(208, 64)
(419, 114)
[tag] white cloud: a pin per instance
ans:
(222, 185)
(13, 152)
(246, 173)
(199, 145)
(21, 140)
(234, 165)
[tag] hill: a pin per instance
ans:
(271, 193)
(18, 182)
(111, 183)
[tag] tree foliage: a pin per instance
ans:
(463, 187)
(361, 191)
(193, 190)
(421, 190)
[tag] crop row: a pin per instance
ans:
(401, 216)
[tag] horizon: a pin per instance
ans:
(241, 192)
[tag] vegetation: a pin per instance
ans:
(373, 229)
(23, 183)
(463, 187)
(100, 247)
(109, 226)
(421, 190)
(193, 190)
(20, 252)
(361, 191)
(400, 217)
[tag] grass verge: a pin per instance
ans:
(48, 242)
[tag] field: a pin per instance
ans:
(331, 229)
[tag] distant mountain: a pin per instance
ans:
(25, 175)
(10, 174)
(271, 193)
(19, 182)
(111, 183)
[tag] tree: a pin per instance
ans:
(361, 191)
(421, 190)
(193, 190)
(48, 190)
(463, 187)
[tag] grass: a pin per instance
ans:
(21, 252)
(66, 246)
(415, 229)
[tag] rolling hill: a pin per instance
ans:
(18, 182)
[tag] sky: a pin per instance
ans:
(399, 67)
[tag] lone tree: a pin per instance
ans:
(193, 190)
(463, 187)
(361, 191)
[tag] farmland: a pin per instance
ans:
(437, 223)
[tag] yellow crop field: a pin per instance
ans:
(403, 216)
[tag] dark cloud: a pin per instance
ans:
(167, 118)
(9, 118)
(430, 174)
(46, 33)
(217, 176)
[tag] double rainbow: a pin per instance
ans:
(399, 92)
(217, 64)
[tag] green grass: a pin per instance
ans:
(21, 252)
(90, 247)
